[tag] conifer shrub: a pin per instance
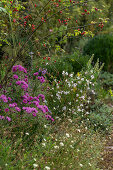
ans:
(102, 47)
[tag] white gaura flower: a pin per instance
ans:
(47, 167)
(82, 79)
(67, 135)
(77, 95)
(79, 82)
(45, 126)
(71, 75)
(61, 144)
(35, 165)
(69, 85)
(71, 147)
(81, 165)
(63, 73)
(66, 73)
(74, 85)
(92, 76)
(89, 164)
(27, 133)
(34, 159)
(64, 108)
(56, 147)
(43, 144)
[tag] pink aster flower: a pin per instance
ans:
(15, 76)
(25, 101)
(8, 118)
(36, 74)
(6, 110)
(18, 109)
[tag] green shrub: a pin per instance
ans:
(102, 47)
(77, 61)
(100, 116)
(106, 80)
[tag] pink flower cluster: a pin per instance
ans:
(36, 74)
(4, 98)
(20, 68)
(15, 76)
(12, 105)
(48, 117)
(23, 83)
(3, 118)
(41, 78)
(30, 109)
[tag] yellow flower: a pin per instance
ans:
(110, 91)
(78, 74)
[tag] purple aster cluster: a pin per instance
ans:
(23, 84)
(15, 76)
(7, 118)
(48, 117)
(4, 98)
(26, 98)
(41, 96)
(20, 68)
(36, 74)
(30, 109)
(41, 78)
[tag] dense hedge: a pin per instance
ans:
(102, 47)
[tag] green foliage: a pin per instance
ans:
(101, 47)
(106, 79)
(101, 116)
(77, 61)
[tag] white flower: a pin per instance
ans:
(74, 85)
(66, 73)
(67, 135)
(77, 95)
(46, 167)
(71, 75)
(71, 146)
(35, 165)
(56, 147)
(79, 110)
(61, 144)
(27, 133)
(81, 165)
(78, 150)
(64, 108)
(82, 97)
(92, 76)
(89, 164)
(45, 126)
(79, 82)
(43, 144)
(86, 128)
(63, 72)
(34, 159)
(82, 79)
(69, 85)
(70, 119)
(6, 164)
(78, 130)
